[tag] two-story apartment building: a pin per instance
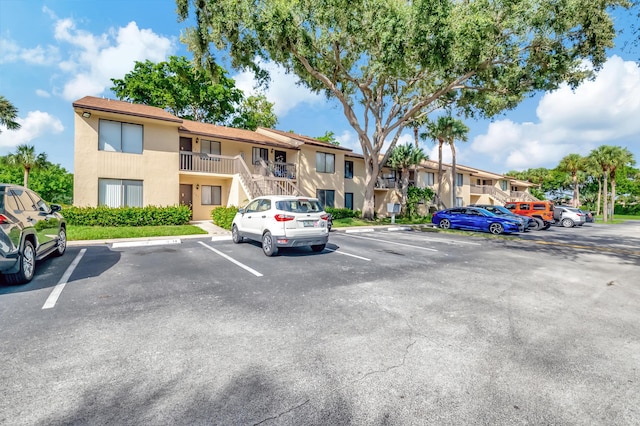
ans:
(136, 155)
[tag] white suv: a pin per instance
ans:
(282, 221)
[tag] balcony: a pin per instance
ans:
(275, 169)
(386, 183)
(208, 163)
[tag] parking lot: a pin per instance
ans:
(386, 327)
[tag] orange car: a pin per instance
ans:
(541, 211)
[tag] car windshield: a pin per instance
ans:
(301, 205)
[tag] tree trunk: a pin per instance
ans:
(415, 135)
(440, 142)
(372, 170)
(25, 179)
(453, 174)
(599, 196)
(613, 194)
(405, 189)
(576, 191)
(605, 201)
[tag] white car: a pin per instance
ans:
(282, 221)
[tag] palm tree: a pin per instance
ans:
(445, 129)
(603, 158)
(403, 157)
(620, 157)
(8, 114)
(26, 157)
(593, 169)
(459, 132)
(573, 163)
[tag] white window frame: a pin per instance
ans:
(210, 145)
(120, 192)
(116, 136)
(459, 179)
(322, 164)
(430, 178)
(211, 195)
(459, 202)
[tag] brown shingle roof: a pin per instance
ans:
(230, 133)
(305, 139)
(120, 107)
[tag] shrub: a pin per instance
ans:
(223, 216)
(127, 216)
(342, 213)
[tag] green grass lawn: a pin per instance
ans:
(618, 218)
(108, 232)
(353, 221)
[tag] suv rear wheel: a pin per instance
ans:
(536, 225)
(27, 263)
(269, 245)
(567, 223)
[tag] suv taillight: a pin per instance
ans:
(283, 217)
(3, 219)
(324, 217)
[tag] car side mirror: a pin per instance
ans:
(55, 208)
(241, 211)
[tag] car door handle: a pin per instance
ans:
(263, 216)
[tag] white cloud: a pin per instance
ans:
(601, 111)
(283, 91)
(95, 59)
(35, 125)
(10, 51)
(43, 93)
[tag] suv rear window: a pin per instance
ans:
(539, 206)
(299, 206)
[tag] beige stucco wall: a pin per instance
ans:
(309, 180)
(156, 165)
(357, 184)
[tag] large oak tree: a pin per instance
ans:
(390, 62)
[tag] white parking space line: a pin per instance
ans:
(348, 254)
(359, 231)
(221, 238)
(57, 290)
(392, 242)
(230, 259)
(145, 243)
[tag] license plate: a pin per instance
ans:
(308, 223)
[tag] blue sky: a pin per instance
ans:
(54, 52)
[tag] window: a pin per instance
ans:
(348, 200)
(504, 185)
(260, 154)
(325, 163)
(459, 202)
(459, 179)
(430, 179)
(326, 197)
(120, 193)
(210, 147)
(348, 169)
(120, 137)
(211, 195)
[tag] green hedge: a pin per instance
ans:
(342, 213)
(223, 216)
(127, 216)
(632, 210)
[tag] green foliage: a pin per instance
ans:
(389, 63)
(633, 209)
(416, 196)
(51, 181)
(194, 93)
(127, 216)
(223, 216)
(329, 137)
(76, 232)
(8, 114)
(342, 213)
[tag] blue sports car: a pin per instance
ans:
(476, 219)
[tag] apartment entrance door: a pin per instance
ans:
(186, 195)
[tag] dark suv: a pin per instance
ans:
(30, 230)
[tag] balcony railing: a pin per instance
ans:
(207, 163)
(386, 183)
(490, 190)
(275, 169)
